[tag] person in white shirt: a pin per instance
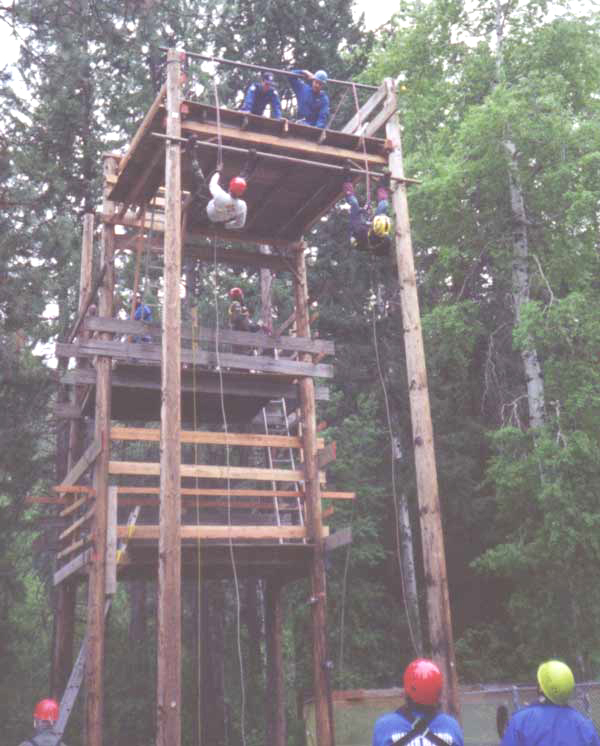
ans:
(224, 207)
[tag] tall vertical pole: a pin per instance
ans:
(275, 693)
(94, 668)
(434, 558)
(62, 653)
(169, 549)
(318, 601)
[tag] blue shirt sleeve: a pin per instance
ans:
(323, 112)
(275, 105)
(510, 734)
(296, 83)
(249, 98)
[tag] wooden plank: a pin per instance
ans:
(74, 565)
(72, 548)
(74, 489)
(207, 471)
(211, 491)
(290, 145)
(86, 303)
(340, 538)
(132, 353)
(238, 258)
(327, 454)
(204, 502)
(220, 532)
(213, 438)
(42, 500)
(73, 506)
(365, 111)
(382, 118)
(77, 524)
(143, 128)
(111, 542)
(205, 334)
(89, 457)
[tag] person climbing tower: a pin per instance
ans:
(224, 208)
(366, 234)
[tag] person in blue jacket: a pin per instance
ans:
(260, 94)
(419, 722)
(550, 721)
(142, 313)
(313, 101)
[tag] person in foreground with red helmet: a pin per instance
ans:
(45, 716)
(419, 722)
(550, 721)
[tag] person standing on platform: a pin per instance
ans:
(366, 234)
(45, 716)
(419, 722)
(239, 316)
(261, 94)
(550, 721)
(313, 101)
(142, 313)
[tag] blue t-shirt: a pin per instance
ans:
(547, 724)
(392, 727)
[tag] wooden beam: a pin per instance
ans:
(74, 565)
(212, 438)
(169, 701)
(365, 111)
(72, 548)
(74, 506)
(86, 303)
(208, 491)
(249, 533)
(323, 711)
(207, 334)
(94, 666)
(206, 471)
(132, 353)
(77, 524)
(434, 558)
(89, 457)
(388, 110)
(143, 128)
(291, 145)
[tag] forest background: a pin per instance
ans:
(499, 103)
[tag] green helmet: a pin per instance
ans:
(556, 681)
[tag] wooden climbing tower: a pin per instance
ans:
(140, 373)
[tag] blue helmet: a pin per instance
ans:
(321, 76)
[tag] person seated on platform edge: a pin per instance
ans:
(313, 102)
(260, 94)
(225, 208)
(45, 716)
(142, 313)
(419, 722)
(367, 235)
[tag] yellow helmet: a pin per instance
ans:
(556, 681)
(381, 225)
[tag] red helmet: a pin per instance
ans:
(423, 682)
(236, 294)
(237, 186)
(46, 709)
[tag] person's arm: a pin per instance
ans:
(220, 196)
(510, 735)
(249, 98)
(323, 112)
(275, 105)
(240, 219)
(296, 82)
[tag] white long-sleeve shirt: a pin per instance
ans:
(223, 208)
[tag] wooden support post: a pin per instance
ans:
(169, 556)
(64, 632)
(94, 669)
(275, 691)
(318, 601)
(434, 559)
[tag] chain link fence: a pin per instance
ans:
(355, 711)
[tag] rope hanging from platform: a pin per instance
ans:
(219, 137)
(228, 482)
(364, 147)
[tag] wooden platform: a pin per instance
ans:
(284, 198)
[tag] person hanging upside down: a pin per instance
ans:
(225, 208)
(367, 235)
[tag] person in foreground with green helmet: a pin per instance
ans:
(550, 721)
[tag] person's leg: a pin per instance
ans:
(250, 165)
(383, 202)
